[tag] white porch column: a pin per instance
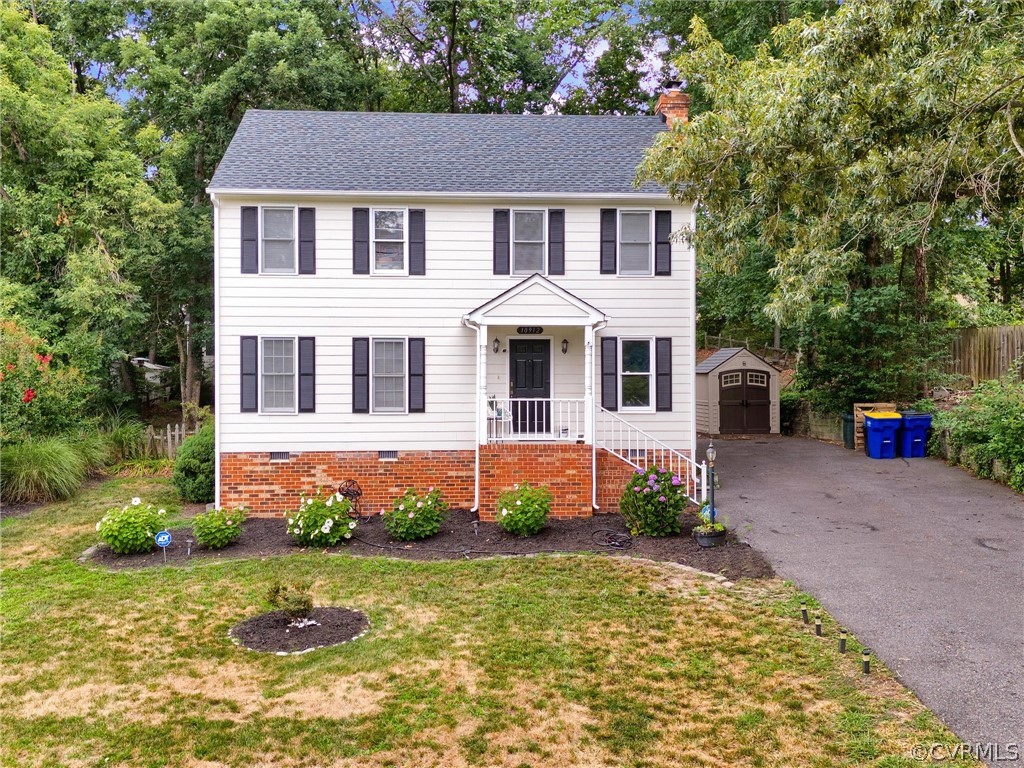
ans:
(481, 383)
(588, 384)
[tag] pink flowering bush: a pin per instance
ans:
(652, 502)
(322, 520)
(524, 510)
(416, 517)
(218, 528)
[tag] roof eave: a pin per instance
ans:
(653, 197)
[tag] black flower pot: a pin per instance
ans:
(708, 540)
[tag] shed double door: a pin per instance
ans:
(744, 402)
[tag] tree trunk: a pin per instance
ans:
(451, 65)
(189, 372)
(127, 380)
(920, 281)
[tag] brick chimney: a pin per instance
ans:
(673, 104)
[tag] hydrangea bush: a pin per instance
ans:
(652, 502)
(132, 528)
(322, 520)
(218, 528)
(414, 517)
(524, 510)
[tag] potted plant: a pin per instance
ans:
(711, 531)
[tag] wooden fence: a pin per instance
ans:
(164, 443)
(987, 353)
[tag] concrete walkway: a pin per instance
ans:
(923, 562)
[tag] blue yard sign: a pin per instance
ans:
(163, 539)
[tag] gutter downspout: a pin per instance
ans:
(476, 423)
(593, 417)
(217, 349)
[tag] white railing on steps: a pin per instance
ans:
(639, 449)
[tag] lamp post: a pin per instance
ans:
(711, 454)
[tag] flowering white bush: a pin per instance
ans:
(416, 517)
(219, 527)
(524, 510)
(132, 528)
(322, 520)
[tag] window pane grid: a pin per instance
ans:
(278, 375)
(389, 376)
(527, 242)
(635, 243)
(635, 373)
(389, 240)
(278, 251)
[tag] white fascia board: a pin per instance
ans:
(637, 197)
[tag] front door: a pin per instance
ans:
(744, 403)
(529, 377)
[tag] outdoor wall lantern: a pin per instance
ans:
(496, 345)
(565, 346)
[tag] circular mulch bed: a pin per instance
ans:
(272, 632)
(463, 537)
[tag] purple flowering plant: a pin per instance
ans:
(652, 502)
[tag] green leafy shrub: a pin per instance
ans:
(218, 528)
(94, 449)
(194, 467)
(131, 528)
(791, 400)
(125, 436)
(524, 510)
(705, 525)
(652, 502)
(40, 470)
(293, 600)
(322, 520)
(414, 517)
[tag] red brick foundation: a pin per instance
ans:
(612, 475)
(564, 467)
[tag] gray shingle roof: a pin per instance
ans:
(717, 359)
(440, 153)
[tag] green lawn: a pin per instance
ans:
(576, 660)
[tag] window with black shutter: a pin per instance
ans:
(501, 241)
(663, 377)
(610, 373)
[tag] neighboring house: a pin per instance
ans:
(157, 379)
(462, 301)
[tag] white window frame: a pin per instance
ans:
(405, 375)
(543, 242)
(261, 369)
(727, 381)
(404, 271)
(295, 240)
(618, 243)
(650, 375)
(763, 378)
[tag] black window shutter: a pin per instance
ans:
(663, 242)
(250, 374)
(250, 240)
(417, 242)
(417, 363)
(360, 375)
(556, 242)
(609, 240)
(361, 241)
(501, 241)
(307, 241)
(610, 373)
(307, 374)
(663, 369)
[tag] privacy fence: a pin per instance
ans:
(987, 353)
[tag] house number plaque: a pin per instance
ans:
(529, 330)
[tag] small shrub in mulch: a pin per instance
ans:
(414, 517)
(524, 510)
(275, 632)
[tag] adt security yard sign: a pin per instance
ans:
(163, 540)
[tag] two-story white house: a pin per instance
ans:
(462, 301)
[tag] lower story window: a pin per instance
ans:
(635, 376)
(388, 373)
(278, 377)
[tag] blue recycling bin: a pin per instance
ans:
(880, 433)
(914, 434)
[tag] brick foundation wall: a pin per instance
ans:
(612, 475)
(271, 488)
(564, 467)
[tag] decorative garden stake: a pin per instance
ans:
(842, 641)
(817, 625)
(803, 613)
(712, 454)
(865, 660)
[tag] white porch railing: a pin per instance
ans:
(639, 449)
(513, 420)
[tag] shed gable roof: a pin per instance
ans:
(437, 153)
(723, 356)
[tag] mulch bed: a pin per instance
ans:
(459, 538)
(272, 633)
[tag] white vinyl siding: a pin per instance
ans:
(389, 251)
(636, 238)
(277, 375)
(388, 376)
(278, 239)
(636, 380)
(337, 306)
(529, 253)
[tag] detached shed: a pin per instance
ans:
(737, 393)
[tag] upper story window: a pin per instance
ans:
(278, 252)
(528, 240)
(636, 234)
(388, 232)
(388, 374)
(278, 375)
(635, 377)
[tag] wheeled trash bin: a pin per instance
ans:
(880, 433)
(914, 428)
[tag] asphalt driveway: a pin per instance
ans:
(923, 562)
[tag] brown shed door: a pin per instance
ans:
(744, 402)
